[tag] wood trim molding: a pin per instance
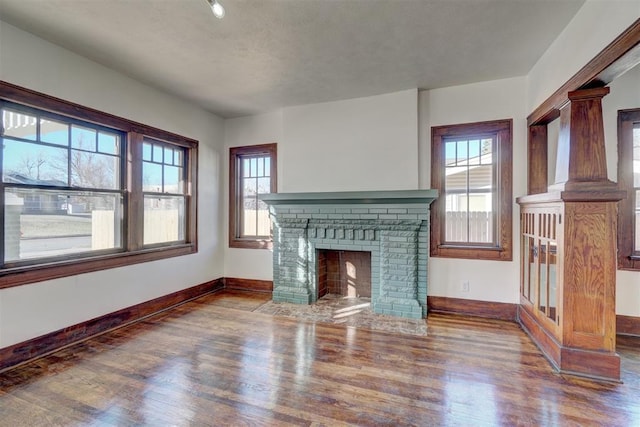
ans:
(248, 284)
(628, 325)
(619, 56)
(37, 347)
(488, 309)
(594, 364)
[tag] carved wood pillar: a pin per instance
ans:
(581, 162)
(580, 337)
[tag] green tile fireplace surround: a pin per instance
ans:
(392, 225)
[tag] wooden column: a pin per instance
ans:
(581, 338)
(537, 154)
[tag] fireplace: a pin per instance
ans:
(391, 226)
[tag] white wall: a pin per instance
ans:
(358, 144)
(32, 310)
(597, 23)
(354, 145)
(500, 99)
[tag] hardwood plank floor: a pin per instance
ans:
(213, 361)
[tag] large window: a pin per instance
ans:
(83, 190)
(471, 168)
(629, 180)
(252, 171)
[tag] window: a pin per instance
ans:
(84, 191)
(629, 180)
(252, 171)
(471, 167)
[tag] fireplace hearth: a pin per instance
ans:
(393, 226)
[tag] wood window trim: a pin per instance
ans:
(235, 153)
(133, 249)
(627, 258)
(504, 215)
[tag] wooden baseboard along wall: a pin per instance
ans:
(37, 347)
(488, 309)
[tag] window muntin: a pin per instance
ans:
(67, 140)
(472, 170)
(252, 173)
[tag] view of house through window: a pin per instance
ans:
(255, 180)
(469, 188)
(252, 172)
(62, 186)
(471, 167)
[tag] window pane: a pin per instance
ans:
(456, 179)
(157, 153)
(146, 151)
(83, 138)
(462, 153)
(107, 143)
(474, 152)
(249, 186)
(168, 155)
(164, 219)
(93, 170)
(264, 185)
(486, 151)
(19, 125)
(267, 166)
(177, 157)
(246, 167)
(151, 177)
(481, 177)
(30, 163)
(47, 223)
(173, 180)
(263, 220)
(54, 132)
(254, 167)
(450, 153)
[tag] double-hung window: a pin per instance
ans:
(629, 180)
(471, 168)
(252, 171)
(84, 190)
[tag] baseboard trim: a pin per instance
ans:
(468, 307)
(628, 325)
(34, 348)
(248, 284)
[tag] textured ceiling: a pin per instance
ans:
(267, 54)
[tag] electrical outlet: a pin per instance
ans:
(465, 286)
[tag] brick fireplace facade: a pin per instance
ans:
(392, 225)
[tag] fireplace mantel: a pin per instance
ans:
(392, 225)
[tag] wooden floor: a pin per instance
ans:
(214, 362)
